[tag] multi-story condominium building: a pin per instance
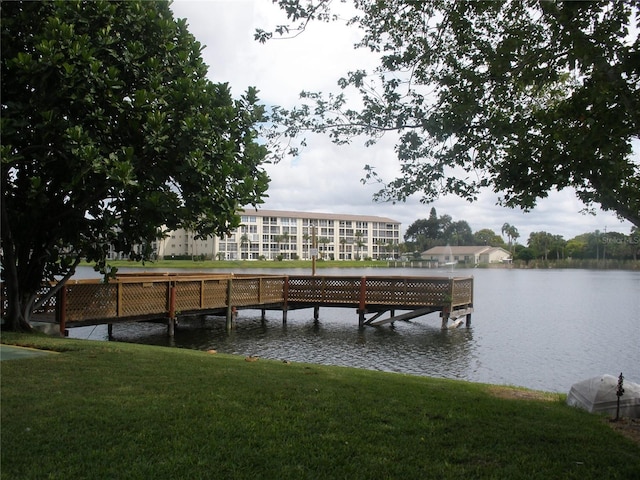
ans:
(273, 234)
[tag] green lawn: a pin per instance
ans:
(226, 264)
(104, 410)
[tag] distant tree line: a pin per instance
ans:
(598, 245)
(424, 234)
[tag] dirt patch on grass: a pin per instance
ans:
(629, 427)
(522, 394)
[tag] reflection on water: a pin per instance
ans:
(420, 347)
(542, 329)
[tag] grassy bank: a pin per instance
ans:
(320, 265)
(113, 410)
(226, 264)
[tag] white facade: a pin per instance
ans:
(271, 234)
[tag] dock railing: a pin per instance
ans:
(392, 291)
(155, 296)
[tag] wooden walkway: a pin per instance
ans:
(140, 297)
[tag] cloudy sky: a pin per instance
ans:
(326, 178)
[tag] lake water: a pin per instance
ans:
(541, 329)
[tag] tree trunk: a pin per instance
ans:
(23, 281)
(24, 277)
(18, 314)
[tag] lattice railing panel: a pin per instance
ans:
(407, 291)
(188, 295)
(144, 298)
(305, 289)
(245, 291)
(386, 291)
(215, 293)
(91, 301)
(462, 291)
(50, 305)
(271, 290)
(339, 290)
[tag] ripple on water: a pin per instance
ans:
(542, 329)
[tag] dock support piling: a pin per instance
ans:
(171, 327)
(362, 301)
(110, 331)
(445, 318)
(316, 312)
(230, 317)
(468, 323)
(285, 299)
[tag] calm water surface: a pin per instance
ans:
(541, 329)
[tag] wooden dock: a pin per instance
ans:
(143, 297)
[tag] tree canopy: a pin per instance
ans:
(523, 97)
(426, 233)
(110, 133)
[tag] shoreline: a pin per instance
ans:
(627, 265)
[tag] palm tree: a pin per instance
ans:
(512, 234)
(325, 241)
(307, 239)
(284, 238)
(359, 242)
(244, 241)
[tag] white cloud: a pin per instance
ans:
(326, 178)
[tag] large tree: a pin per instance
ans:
(110, 134)
(486, 236)
(458, 233)
(524, 97)
(544, 243)
(426, 233)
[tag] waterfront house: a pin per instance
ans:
(471, 255)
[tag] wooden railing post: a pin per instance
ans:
(362, 303)
(285, 299)
(172, 301)
(229, 319)
(120, 306)
(468, 319)
(448, 304)
(172, 310)
(61, 304)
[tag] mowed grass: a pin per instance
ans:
(253, 264)
(102, 410)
